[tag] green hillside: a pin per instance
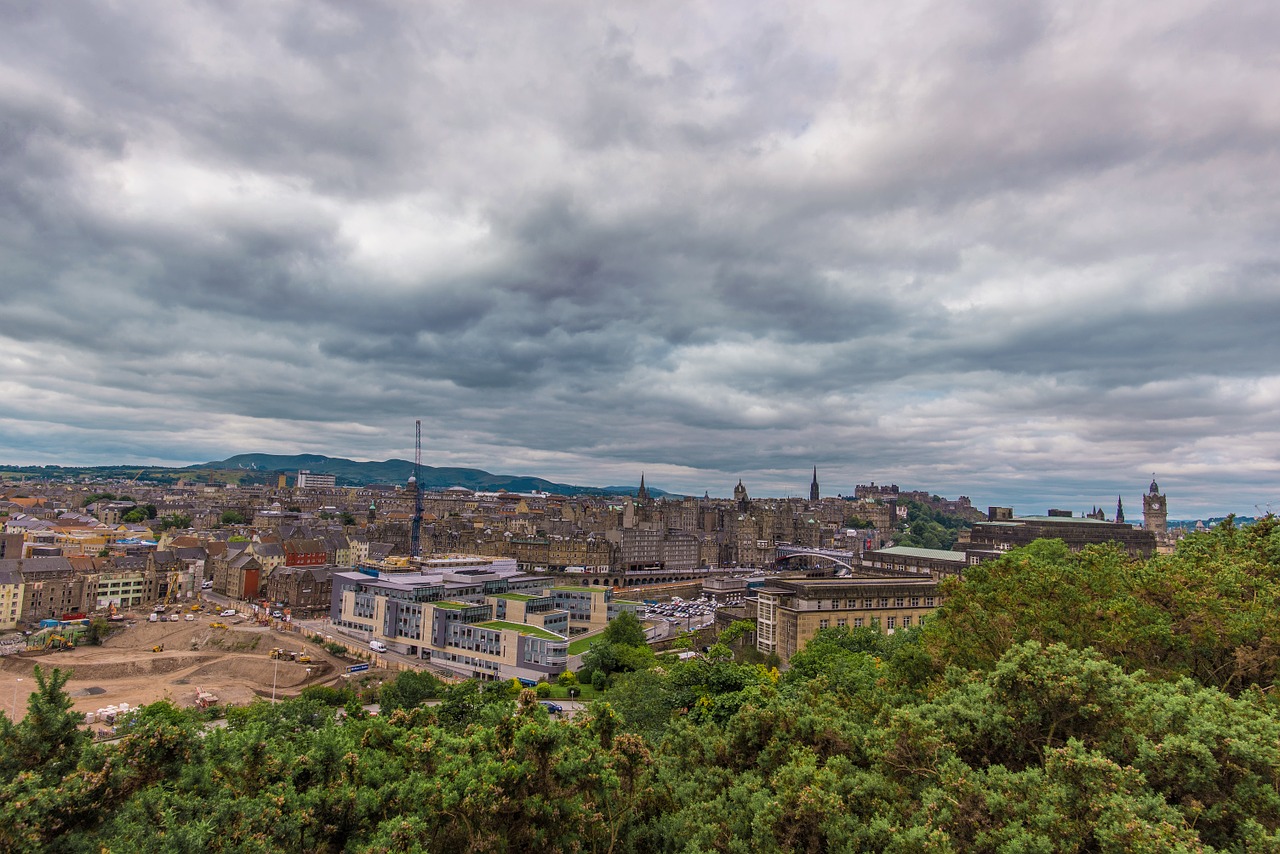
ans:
(249, 469)
(353, 473)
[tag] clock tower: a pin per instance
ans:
(1155, 512)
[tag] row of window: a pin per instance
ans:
(882, 602)
(873, 622)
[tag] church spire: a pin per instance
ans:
(1119, 509)
(642, 494)
(813, 487)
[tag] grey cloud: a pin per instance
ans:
(1018, 250)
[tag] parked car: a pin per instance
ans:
(377, 646)
(553, 708)
(228, 612)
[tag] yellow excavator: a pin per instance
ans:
(172, 586)
(59, 642)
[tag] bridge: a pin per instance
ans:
(838, 557)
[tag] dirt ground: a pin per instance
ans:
(232, 663)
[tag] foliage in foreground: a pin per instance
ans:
(1022, 732)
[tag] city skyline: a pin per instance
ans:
(1023, 253)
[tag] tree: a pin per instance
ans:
(174, 520)
(408, 690)
(1211, 610)
(136, 516)
(624, 629)
(48, 739)
(231, 517)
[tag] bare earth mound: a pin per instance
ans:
(233, 663)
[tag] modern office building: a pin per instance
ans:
(475, 616)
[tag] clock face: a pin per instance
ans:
(1155, 505)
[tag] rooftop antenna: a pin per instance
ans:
(415, 544)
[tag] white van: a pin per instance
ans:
(377, 646)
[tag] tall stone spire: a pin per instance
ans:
(813, 487)
(642, 494)
(1119, 509)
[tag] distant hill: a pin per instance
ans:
(351, 473)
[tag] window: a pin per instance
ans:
(928, 601)
(899, 602)
(906, 621)
(922, 619)
(891, 622)
(915, 601)
(842, 623)
(822, 624)
(866, 603)
(884, 602)
(857, 622)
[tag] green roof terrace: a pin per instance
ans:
(532, 631)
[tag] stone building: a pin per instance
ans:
(1155, 511)
(791, 611)
(1003, 531)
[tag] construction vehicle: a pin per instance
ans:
(303, 658)
(217, 625)
(158, 648)
(59, 642)
(205, 699)
(280, 653)
(170, 588)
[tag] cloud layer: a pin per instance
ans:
(1022, 252)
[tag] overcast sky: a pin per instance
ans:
(1025, 252)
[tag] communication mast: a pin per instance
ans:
(415, 545)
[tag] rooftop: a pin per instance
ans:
(532, 631)
(1079, 520)
(931, 554)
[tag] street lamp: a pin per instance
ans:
(15, 700)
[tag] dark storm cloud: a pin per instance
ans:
(1019, 251)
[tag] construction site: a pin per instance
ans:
(190, 658)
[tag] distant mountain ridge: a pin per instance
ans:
(353, 473)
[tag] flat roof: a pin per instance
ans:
(517, 597)
(532, 631)
(456, 606)
(580, 589)
(1079, 520)
(811, 583)
(931, 554)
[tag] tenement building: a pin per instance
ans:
(790, 612)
